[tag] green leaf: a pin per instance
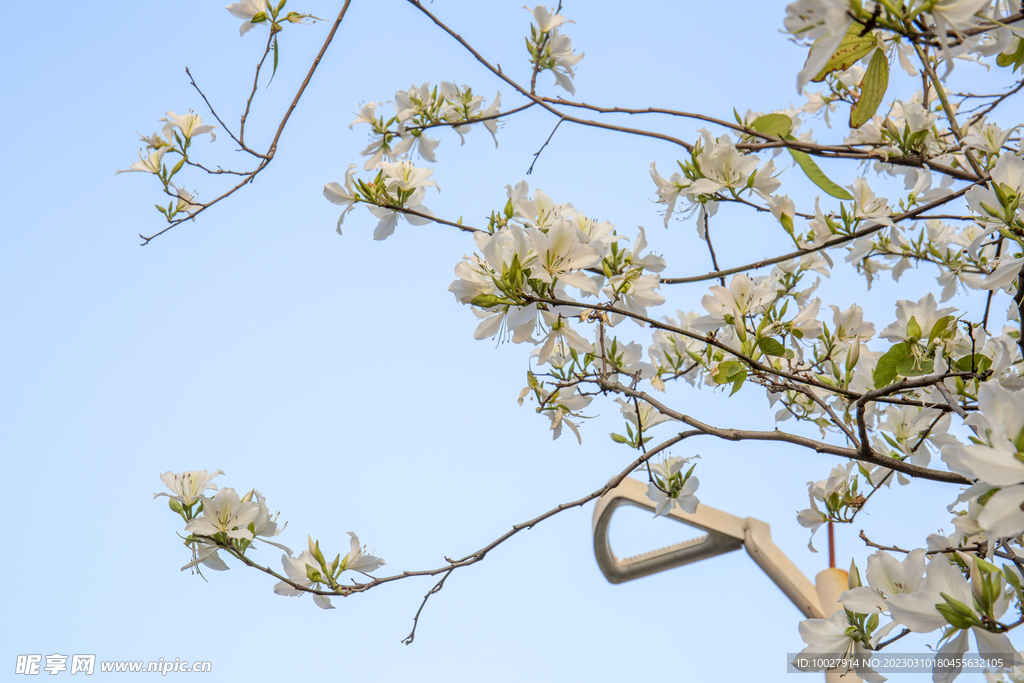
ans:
(771, 347)
(944, 328)
(912, 367)
(851, 48)
(619, 438)
(1016, 58)
(778, 125)
(817, 176)
(981, 363)
(274, 72)
(738, 383)
(885, 370)
(872, 90)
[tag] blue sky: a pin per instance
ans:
(339, 377)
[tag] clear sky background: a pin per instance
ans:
(340, 378)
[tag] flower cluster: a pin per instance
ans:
(551, 50)
(419, 110)
(235, 524)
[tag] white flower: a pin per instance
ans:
(559, 332)
(634, 293)
(186, 202)
(405, 176)
(357, 560)
(925, 313)
(492, 124)
(812, 518)
(722, 165)
(188, 487)
(299, 569)
(408, 103)
(838, 482)
(867, 206)
(204, 552)
(560, 404)
(151, 164)
(669, 190)
(990, 139)
(805, 324)
(559, 54)
(546, 21)
(307, 572)
(730, 305)
(920, 612)
(190, 125)
(247, 10)
(888, 577)
(649, 415)
(909, 424)
(225, 513)
(833, 638)
(671, 487)
(265, 524)
(958, 13)
(343, 196)
(1008, 173)
(559, 252)
(996, 462)
(849, 325)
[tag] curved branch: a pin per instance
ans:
(776, 435)
(268, 157)
(913, 213)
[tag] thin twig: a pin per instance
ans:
(268, 157)
(536, 155)
(416, 619)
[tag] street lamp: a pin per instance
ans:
(723, 533)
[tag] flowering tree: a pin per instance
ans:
(882, 399)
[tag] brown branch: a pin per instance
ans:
(913, 213)
(416, 619)
(469, 122)
(256, 82)
(776, 435)
(452, 565)
(948, 110)
(536, 155)
(878, 395)
(539, 100)
(772, 142)
(707, 238)
(268, 157)
(223, 125)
